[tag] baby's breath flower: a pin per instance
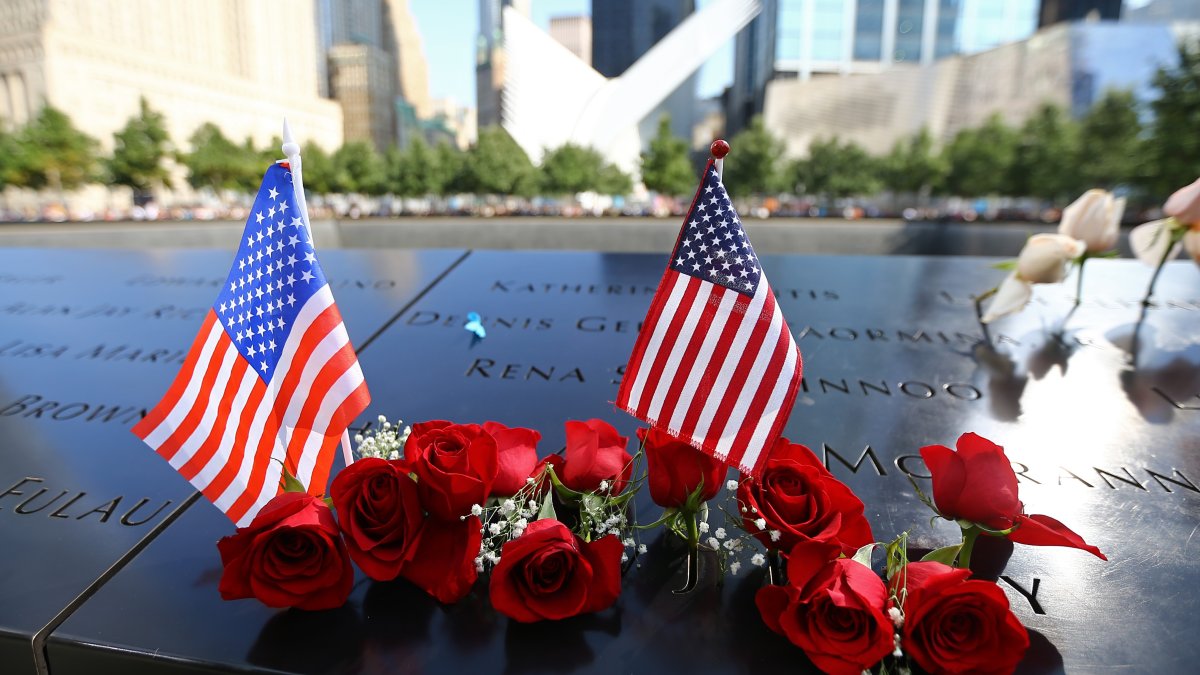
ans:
(704, 528)
(758, 560)
(730, 544)
(760, 523)
(734, 567)
(731, 485)
(775, 535)
(896, 616)
(624, 557)
(603, 486)
(642, 548)
(476, 510)
(720, 533)
(713, 543)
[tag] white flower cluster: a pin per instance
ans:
(385, 441)
(503, 521)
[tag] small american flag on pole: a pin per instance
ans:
(271, 380)
(714, 363)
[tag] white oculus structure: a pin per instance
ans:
(552, 97)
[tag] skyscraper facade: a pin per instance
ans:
(574, 33)
(624, 30)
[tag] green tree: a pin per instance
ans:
(318, 169)
(139, 150)
(1044, 165)
(570, 168)
(1109, 146)
(666, 168)
(411, 172)
(979, 159)
(912, 167)
(614, 181)
(358, 168)
(1173, 146)
(753, 165)
(834, 170)
(497, 165)
(8, 158)
(52, 153)
(216, 162)
(446, 171)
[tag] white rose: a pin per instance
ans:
(1094, 219)
(1043, 260)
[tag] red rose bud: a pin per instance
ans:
(953, 624)
(455, 464)
(675, 469)
(977, 484)
(443, 558)
(550, 573)
(832, 609)
(595, 453)
(517, 449)
(798, 498)
(380, 515)
(289, 556)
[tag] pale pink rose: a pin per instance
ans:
(1184, 204)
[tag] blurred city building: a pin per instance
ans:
(195, 61)
(490, 59)
(374, 66)
(806, 39)
(1165, 10)
(624, 30)
(574, 33)
(1068, 64)
(1057, 11)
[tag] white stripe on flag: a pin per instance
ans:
(737, 417)
(187, 399)
(724, 378)
(773, 409)
(695, 374)
(679, 284)
(200, 433)
(679, 345)
(232, 427)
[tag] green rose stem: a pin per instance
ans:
(1079, 283)
(1176, 237)
(969, 534)
(987, 336)
(692, 563)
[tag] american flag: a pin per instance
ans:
(715, 363)
(271, 380)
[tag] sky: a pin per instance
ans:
(448, 29)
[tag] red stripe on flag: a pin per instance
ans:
(233, 463)
(181, 433)
(160, 411)
(636, 360)
(224, 413)
(673, 334)
(690, 354)
(739, 382)
(322, 384)
(758, 405)
(350, 408)
(712, 370)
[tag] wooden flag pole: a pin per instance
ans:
(291, 150)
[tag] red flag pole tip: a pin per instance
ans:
(719, 148)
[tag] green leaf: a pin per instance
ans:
(592, 502)
(565, 493)
(329, 502)
(291, 483)
(547, 510)
(1006, 265)
(863, 555)
(944, 555)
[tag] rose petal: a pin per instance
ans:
(1184, 204)
(1149, 241)
(1012, 296)
(1039, 530)
(772, 601)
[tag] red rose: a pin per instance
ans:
(550, 573)
(977, 484)
(676, 469)
(289, 556)
(380, 515)
(595, 453)
(455, 466)
(518, 460)
(956, 625)
(443, 558)
(799, 498)
(832, 609)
